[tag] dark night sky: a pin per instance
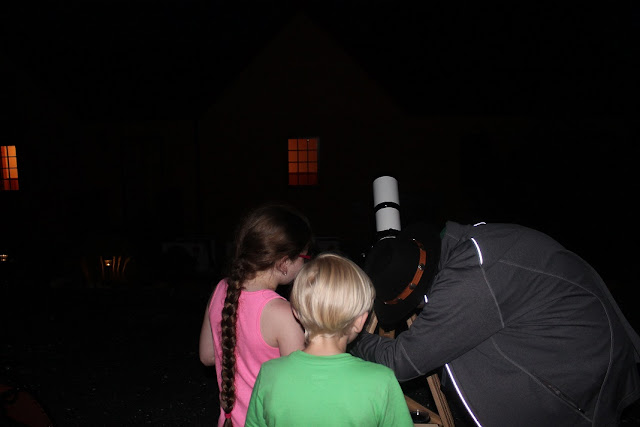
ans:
(137, 59)
(143, 58)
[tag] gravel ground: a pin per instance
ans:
(123, 357)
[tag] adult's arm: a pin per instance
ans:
(460, 314)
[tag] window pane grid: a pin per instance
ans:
(303, 161)
(9, 168)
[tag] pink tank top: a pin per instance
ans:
(251, 349)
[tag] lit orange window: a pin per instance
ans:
(303, 161)
(9, 165)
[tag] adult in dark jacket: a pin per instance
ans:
(527, 331)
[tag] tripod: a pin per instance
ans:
(443, 418)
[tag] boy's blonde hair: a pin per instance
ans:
(329, 293)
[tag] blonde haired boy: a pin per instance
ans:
(322, 385)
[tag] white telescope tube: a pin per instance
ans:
(386, 203)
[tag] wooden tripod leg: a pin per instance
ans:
(440, 400)
(373, 323)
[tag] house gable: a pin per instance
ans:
(303, 71)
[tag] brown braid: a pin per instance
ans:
(228, 367)
(266, 235)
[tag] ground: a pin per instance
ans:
(104, 357)
(121, 357)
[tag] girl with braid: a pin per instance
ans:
(246, 322)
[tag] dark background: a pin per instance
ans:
(110, 57)
(144, 129)
(126, 114)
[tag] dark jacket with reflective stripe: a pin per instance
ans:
(529, 331)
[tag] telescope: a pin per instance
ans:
(386, 204)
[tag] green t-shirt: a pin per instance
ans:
(341, 390)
